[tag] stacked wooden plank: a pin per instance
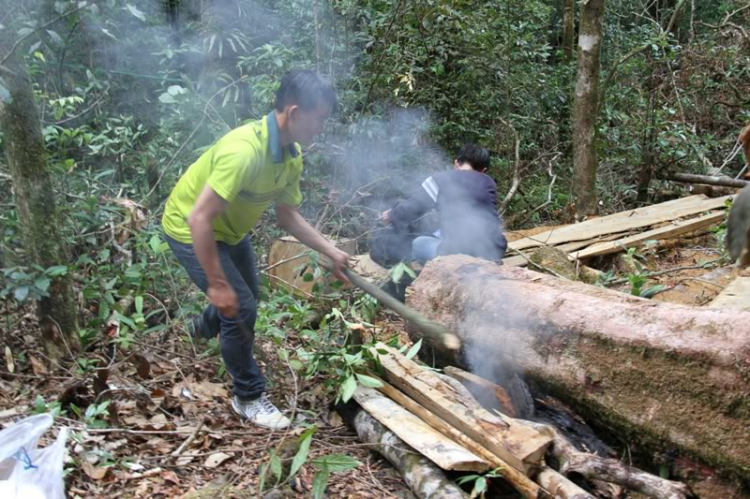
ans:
(421, 414)
(617, 232)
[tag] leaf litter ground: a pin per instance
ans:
(133, 415)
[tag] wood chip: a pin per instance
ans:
(215, 460)
(9, 360)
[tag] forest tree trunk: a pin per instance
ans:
(39, 220)
(585, 108)
(568, 37)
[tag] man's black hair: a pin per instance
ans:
(477, 156)
(306, 89)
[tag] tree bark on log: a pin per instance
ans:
(593, 467)
(424, 478)
(40, 223)
(660, 375)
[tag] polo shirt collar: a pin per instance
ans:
(274, 140)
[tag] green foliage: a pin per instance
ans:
(29, 283)
(480, 481)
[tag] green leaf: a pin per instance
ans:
(126, 320)
(57, 270)
(304, 449)
(42, 283)
(652, 291)
(336, 462)
(414, 349)
(480, 486)
(139, 304)
(398, 272)
(320, 482)
(155, 244)
(21, 293)
(137, 13)
(276, 465)
(40, 407)
(368, 381)
(57, 39)
(308, 277)
(347, 388)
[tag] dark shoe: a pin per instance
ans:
(198, 330)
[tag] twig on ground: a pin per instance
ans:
(184, 445)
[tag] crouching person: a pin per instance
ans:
(466, 202)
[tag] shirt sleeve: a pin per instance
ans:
(417, 205)
(232, 165)
(292, 196)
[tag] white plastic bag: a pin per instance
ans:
(26, 471)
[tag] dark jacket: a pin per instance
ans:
(466, 203)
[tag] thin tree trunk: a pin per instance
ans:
(585, 108)
(646, 170)
(568, 37)
(24, 148)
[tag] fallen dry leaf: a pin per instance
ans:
(171, 476)
(142, 365)
(216, 459)
(335, 420)
(37, 366)
(92, 471)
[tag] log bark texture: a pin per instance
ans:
(424, 478)
(661, 375)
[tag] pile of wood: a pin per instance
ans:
(617, 232)
(424, 422)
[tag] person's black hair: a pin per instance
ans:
(477, 156)
(306, 89)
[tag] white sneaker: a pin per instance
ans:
(260, 412)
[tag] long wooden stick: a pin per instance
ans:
(520, 482)
(431, 329)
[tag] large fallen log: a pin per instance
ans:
(661, 375)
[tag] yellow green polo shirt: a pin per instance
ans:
(249, 169)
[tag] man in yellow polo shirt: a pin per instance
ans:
(217, 202)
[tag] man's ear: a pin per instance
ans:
(455, 164)
(292, 112)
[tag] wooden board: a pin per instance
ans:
(735, 296)
(432, 444)
(520, 261)
(624, 221)
(367, 268)
(666, 232)
(520, 446)
(289, 261)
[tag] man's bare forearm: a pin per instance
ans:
(206, 250)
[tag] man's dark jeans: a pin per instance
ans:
(237, 333)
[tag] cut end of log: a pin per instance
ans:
(451, 342)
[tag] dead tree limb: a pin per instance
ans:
(689, 178)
